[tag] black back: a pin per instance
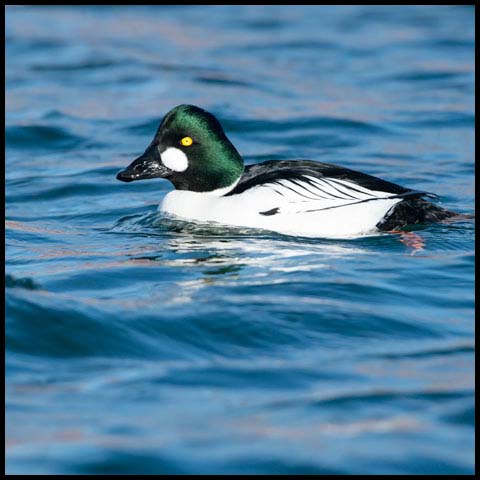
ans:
(275, 170)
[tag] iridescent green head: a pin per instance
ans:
(191, 150)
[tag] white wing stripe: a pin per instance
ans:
(342, 190)
(302, 184)
(284, 184)
(355, 186)
(325, 186)
(332, 188)
(321, 193)
(350, 188)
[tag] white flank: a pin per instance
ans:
(174, 159)
(329, 208)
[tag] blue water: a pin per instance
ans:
(140, 344)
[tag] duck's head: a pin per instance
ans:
(191, 150)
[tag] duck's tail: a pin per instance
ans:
(414, 211)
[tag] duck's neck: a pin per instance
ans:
(220, 192)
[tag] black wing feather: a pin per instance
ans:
(272, 171)
(412, 210)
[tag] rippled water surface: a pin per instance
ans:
(141, 344)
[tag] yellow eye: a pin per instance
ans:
(186, 141)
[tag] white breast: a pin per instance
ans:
(315, 208)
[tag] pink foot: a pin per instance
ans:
(410, 239)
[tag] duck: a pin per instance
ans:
(291, 197)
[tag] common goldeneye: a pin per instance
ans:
(294, 197)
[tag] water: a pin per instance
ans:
(138, 344)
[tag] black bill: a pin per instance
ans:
(149, 165)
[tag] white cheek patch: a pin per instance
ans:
(174, 159)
